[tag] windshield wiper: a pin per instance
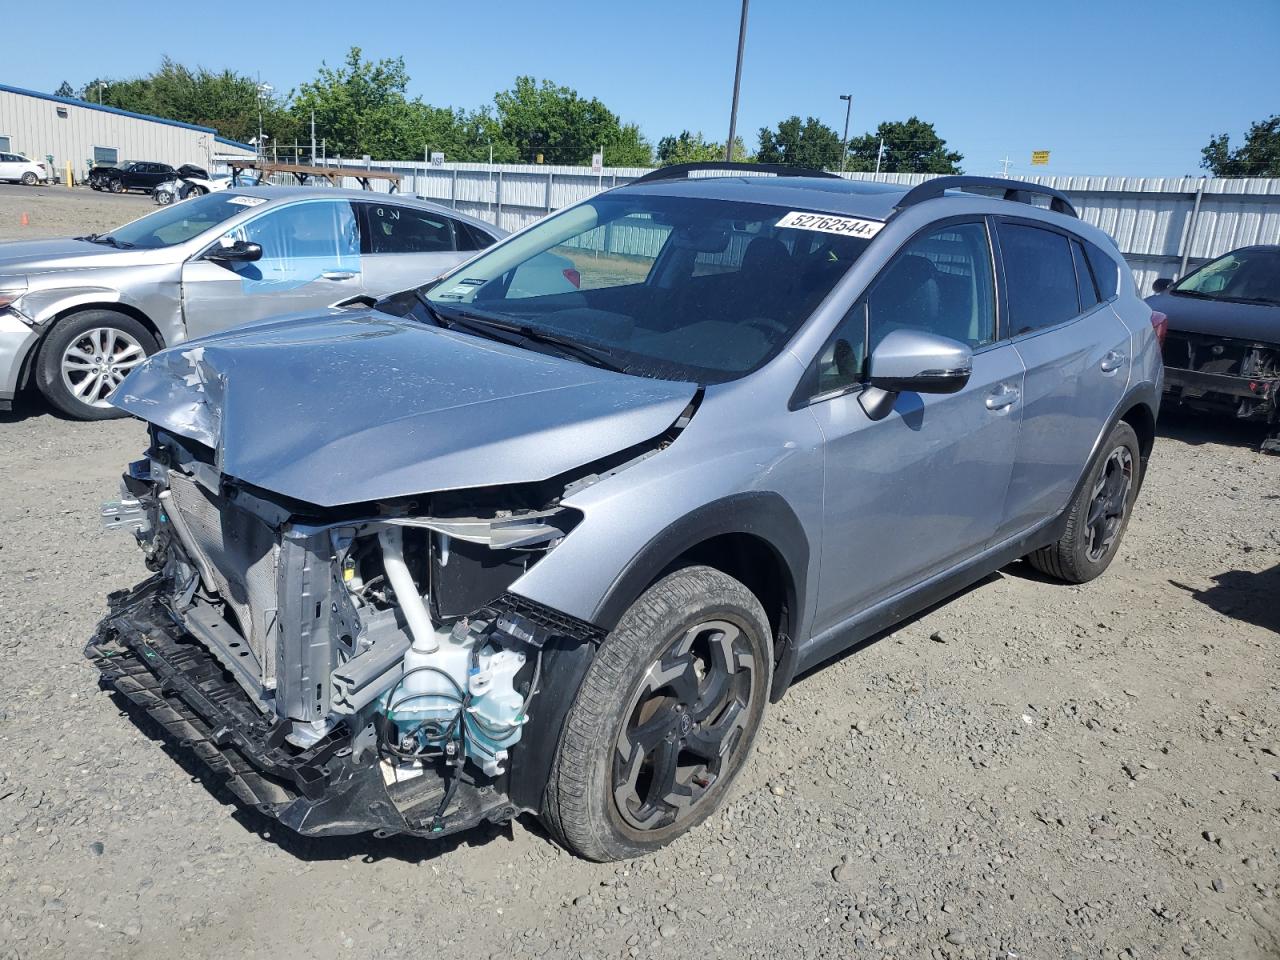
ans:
(107, 240)
(1194, 293)
(595, 356)
(430, 307)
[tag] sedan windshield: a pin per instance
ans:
(179, 222)
(1245, 276)
(669, 287)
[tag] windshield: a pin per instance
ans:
(670, 287)
(180, 222)
(1245, 276)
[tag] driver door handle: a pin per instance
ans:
(338, 275)
(1003, 397)
(1112, 362)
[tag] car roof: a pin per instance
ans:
(272, 192)
(828, 194)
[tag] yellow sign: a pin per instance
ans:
(1039, 157)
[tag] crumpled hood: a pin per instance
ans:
(358, 406)
(1239, 321)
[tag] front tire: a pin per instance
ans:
(1099, 514)
(117, 186)
(665, 717)
(86, 356)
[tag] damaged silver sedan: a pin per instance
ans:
(545, 538)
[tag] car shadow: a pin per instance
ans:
(365, 846)
(1243, 595)
(1197, 429)
(30, 405)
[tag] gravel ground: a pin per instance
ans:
(1030, 770)
(62, 211)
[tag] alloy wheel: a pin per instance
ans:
(1109, 503)
(683, 725)
(95, 363)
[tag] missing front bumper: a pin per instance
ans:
(332, 788)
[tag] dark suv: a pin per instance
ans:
(138, 175)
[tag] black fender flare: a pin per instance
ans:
(762, 514)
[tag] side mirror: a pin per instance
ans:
(239, 252)
(912, 361)
(1161, 285)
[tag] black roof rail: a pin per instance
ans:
(1017, 190)
(678, 171)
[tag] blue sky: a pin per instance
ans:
(1119, 87)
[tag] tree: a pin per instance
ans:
(65, 90)
(541, 118)
(227, 101)
(808, 144)
(1259, 157)
(910, 146)
(694, 148)
(360, 107)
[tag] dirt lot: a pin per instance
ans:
(1030, 770)
(63, 211)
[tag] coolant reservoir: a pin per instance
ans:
(426, 704)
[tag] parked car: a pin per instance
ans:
(139, 175)
(1222, 352)
(194, 184)
(481, 549)
(98, 174)
(18, 169)
(76, 315)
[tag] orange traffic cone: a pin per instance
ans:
(25, 220)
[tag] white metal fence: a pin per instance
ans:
(1163, 225)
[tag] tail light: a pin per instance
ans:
(573, 276)
(1161, 324)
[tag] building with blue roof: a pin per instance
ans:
(41, 125)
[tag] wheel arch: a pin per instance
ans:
(754, 537)
(33, 357)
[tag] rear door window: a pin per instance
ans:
(471, 238)
(1040, 277)
(391, 228)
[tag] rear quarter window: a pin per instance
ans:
(1106, 272)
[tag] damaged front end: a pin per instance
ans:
(352, 669)
(1215, 374)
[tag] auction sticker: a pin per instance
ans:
(247, 201)
(825, 223)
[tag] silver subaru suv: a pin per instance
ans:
(549, 539)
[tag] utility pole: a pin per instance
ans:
(737, 84)
(1005, 164)
(844, 144)
(879, 154)
(313, 138)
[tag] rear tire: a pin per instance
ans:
(1099, 514)
(29, 179)
(84, 357)
(665, 717)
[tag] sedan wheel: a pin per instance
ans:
(94, 364)
(29, 178)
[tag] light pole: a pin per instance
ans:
(737, 83)
(101, 86)
(264, 89)
(844, 144)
